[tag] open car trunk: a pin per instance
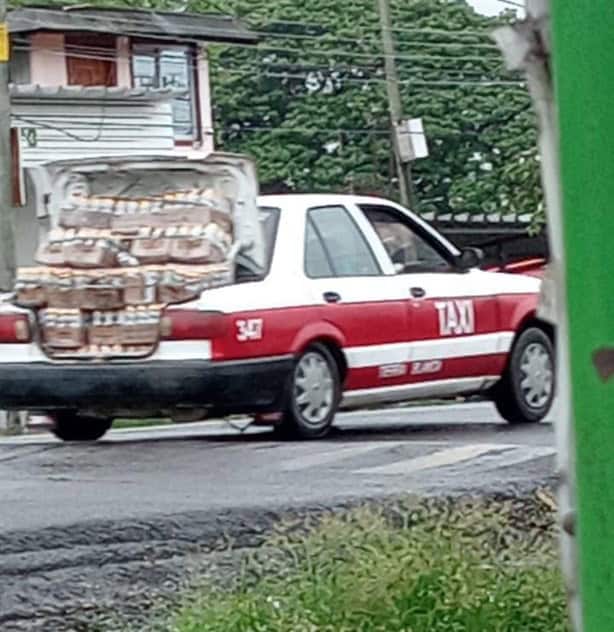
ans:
(128, 237)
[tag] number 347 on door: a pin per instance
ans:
(456, 317)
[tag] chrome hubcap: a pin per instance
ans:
(313, 388)
(536, 375)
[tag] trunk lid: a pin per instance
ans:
(129, 236)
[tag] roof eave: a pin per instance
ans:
(146, 24)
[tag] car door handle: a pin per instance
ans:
(417, 292)
(331, 297)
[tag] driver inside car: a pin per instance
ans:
(400, 245)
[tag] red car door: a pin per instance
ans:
(455, 337)
(358, 300)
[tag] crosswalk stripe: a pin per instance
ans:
(440, 458)
(519, 455)
(302, 462)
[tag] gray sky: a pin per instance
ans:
(491, 7)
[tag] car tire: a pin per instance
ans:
(69, 426)
(314, 396)
(526, 390)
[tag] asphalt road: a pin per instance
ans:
(134, 474)
(92, 521)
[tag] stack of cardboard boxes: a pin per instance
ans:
(113, 264)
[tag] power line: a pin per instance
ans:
(278, 70)
(348, 54)
(236, 129)
(512, 3)
(374, 55)
(308, 130)
(239, 128)
(229, 128)
(113, 56)
(452, 32)
(361, 40)
(375, 80)
(358, 72)
(94, 52)
(107, 55)
(308, 38)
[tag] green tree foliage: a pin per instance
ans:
(309, 102)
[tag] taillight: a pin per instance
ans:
(14, 328)
(183, 324)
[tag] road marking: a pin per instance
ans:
(304, 462)
(520, 454)
(440, 458)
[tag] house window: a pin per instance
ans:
(169, 67)
(19, 63)
(90, 60)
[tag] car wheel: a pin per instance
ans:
(526, 390)
(69, 426)
(315, 392)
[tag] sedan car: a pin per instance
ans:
(361, 303)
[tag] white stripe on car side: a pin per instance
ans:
(167, 350)
(435, 349)
(436, 388)
(357, 357)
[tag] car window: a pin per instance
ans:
(408, 251)
(317, 264)
(346, 249)
(269, 220)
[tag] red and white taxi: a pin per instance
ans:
(361, 303)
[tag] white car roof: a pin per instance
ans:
(318, 199)
(303, 201)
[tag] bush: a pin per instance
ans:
(431, 571)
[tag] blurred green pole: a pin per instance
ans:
(583, 69)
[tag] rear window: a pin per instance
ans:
(269, 220)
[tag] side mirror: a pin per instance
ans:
(470, 258)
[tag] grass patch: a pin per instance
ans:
(478, 567)
(140, 423)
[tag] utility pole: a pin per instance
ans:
(406, 186)
(7, 230)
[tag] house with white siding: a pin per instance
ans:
(89, 82)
